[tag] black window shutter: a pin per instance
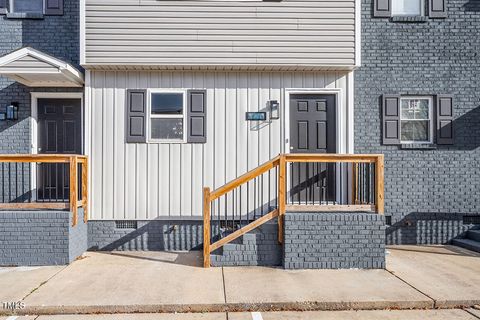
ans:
(197, 116)
(382, 8)
(136, 114)
(391, 119)
(445, 130)
(3, 6)
(54, 7)
(437, 8)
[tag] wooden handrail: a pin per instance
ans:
(329, 157)
(244, 178)
(281, 161)
(44, 158)
(73, 202)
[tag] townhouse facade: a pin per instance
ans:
(248, 129)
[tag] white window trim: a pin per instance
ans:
(422, 11)
(166, 116)
(13, 6)
(430, 119)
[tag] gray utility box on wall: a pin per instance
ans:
(328, 240)
(38, 238)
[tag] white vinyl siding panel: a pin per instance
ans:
(146, 181)
(210, 33)
(30, 64)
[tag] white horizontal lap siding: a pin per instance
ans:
(28, 63)
(152, 32)
(145, 181)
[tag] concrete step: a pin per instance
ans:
(473, 235)
(467, 244)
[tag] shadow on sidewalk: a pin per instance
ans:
(190, 259)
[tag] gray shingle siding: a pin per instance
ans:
(439, 56)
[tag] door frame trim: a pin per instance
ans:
(343, 118)
(340, 118)
(34, 122)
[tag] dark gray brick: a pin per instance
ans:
(334, 240)
(432, 189)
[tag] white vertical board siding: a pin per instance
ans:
(203, 32)
(146, 181)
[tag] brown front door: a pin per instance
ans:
(312, 130)
(59, 132)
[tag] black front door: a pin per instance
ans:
(59, 131)
(312, 130)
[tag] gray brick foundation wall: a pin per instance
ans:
(259, 247)
(35, 238)
(439, 56)
(169, 235)
(427, 228)
(334, 240)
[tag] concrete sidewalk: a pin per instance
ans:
(442, 314)
(104, 282)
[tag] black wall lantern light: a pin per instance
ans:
(11, 112)
(274, 108)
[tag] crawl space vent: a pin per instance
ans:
(126, 224)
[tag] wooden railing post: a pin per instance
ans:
(379, 184)
(85, 189)
(206, 227)
(73, 188)
(281, 195)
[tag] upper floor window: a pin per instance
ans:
(26, 6)
(407, 8)
(410, 10)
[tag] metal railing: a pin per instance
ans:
(305, 182)
(44, 181)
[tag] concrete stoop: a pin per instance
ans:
(258, 247)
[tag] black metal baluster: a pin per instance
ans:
(226, 216)
(16, 183)
(308, 189)
(372, 182)
(240, 207)
(291, 184)
(56, 181)
(233, 210)
(212, 210)
(327, 174)
(299, 185)
(261, 194)
(3, 183)
(254, 198)
(9, 183)
(218, 217)
(364, 187)
(248, 202)
(269, 199)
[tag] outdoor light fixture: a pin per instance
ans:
(273, 105)
(11, 112)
